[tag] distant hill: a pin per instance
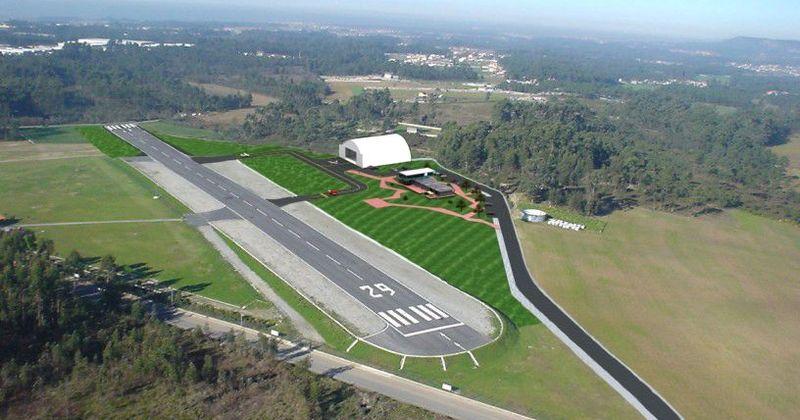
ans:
(760, 50)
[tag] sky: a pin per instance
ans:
(701, 19)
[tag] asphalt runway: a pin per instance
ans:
(414, 326)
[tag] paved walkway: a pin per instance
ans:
(380, 203)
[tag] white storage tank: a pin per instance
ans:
(533, 215)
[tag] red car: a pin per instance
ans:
(333, 192)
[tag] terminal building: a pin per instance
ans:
(373, 151)
(423, 179)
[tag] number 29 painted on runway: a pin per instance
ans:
(380, 286)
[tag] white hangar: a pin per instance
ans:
(375, 151)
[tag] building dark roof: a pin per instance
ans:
(434, 185)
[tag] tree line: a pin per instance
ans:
(68, 353)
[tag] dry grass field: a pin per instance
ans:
(705, 309)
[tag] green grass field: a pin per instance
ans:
(177, 254)
(465, 254)
(704, 309)
(102, 189)
(791, 151)
(180, 130)
(53, 135)
(293, 174)
(200, 147)
(81, 189)
(108, 143)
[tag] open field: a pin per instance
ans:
(293, 174)
(791, 150)
(81, 189)
(259, 99)
(177, 254)
(53, 135)
(12, 151)
(108, 143)
(179, 130)
(704, 309)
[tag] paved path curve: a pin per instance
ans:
(643, 397)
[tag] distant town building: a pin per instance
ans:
(376, 150)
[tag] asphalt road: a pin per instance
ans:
(414, 326)
(641, 391)
(365, 377)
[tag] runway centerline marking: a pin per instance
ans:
(293, 233)
(312, 245)
(356, 275)
(247, 202)
(333, 259)
(276, 222)
(259, 210)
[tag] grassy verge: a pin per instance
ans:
(704, 309)
(53, 135)
(293, 174)
(108, 143)
(180, 130)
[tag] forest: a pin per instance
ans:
(659, 151)
(64, 353)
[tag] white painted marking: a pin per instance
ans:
(176, 161)
(209, 180)
(333, 259)
(273, 219)
(408, 316)
(419, 313)
(293, 233)
(351, 346)
(356, 275)
(437, 310)
(433, 329)
(429, 312)
(259, 210)
(223, 188)
(233, 194)
(164, 154)
(398, 317)
(312, 245)
(390, 320)
(247, 202)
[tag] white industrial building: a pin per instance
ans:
(376, 151)
(533, 215)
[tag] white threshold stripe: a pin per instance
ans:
(389, 320)
(408, 316)
(398, 317)
(430, 330)
(429, 312)
(419, 313)
(437, 310)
